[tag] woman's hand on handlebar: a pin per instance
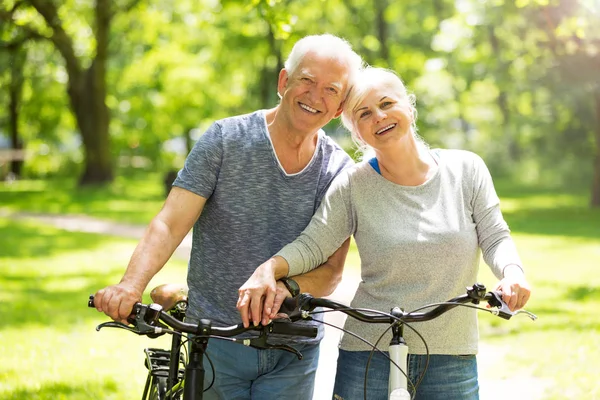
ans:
(514, 287)
(257, 297)
(117, 301)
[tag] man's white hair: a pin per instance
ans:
(326, 45)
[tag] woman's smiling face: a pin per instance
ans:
(383, 116)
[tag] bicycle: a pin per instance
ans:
(303, 307)
(171, 374)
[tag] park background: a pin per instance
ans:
(100, 101)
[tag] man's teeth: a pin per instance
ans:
(310, 109)
(385, 128)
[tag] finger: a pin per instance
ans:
(279, 297)
(506, 293)
(125, 308)
(243, 309)
(523, 299)
(239, 300)
(268, 307)
(98, 299)
(514, 300)
(256, 303)
(107, 305)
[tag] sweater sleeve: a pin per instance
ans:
(493, 233)
(331, 225)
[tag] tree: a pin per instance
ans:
(86, 87)
(17, 53)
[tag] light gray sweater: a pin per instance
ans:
(417, 245)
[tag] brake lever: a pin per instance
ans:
(115, 324)
(261, 343)
(502, 309)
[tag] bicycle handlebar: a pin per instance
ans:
(145, 318)
(305, 303)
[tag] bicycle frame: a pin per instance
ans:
(398, 378)
(166, 382)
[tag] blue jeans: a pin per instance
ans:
(447, 377)
(243, 372)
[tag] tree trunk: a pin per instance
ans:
(95, 123)
(18, 56)
(87, 100)
(502, 72)
(86, 89)
(382, 30)
(269, 75)
(595, 202)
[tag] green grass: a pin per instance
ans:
(134, 199)
(50, 349)
(48, 342)
(558, 238)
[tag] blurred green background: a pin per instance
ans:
(99, 101)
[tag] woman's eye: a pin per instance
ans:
(364, 114)
(386, 104)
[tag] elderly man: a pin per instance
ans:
(249, 186)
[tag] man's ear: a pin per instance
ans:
(282, 81)
(340, 110)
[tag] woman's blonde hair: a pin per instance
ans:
(366, 80)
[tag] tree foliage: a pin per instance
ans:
(516, 81)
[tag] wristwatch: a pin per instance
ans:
(292, 286)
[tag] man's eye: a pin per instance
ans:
(386, 104)
(332, 90)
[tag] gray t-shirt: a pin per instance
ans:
(417, 245)
(253, 207)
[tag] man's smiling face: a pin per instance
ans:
(313, 94)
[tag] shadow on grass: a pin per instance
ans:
(583, 293)
(42, 291)
(34, 305)
(20, 240)
(563, 221)
(65, 391)
(128, 199)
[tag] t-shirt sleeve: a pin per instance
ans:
(493, 233)
(202, 166)
(331, 225)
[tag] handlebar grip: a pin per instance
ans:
(292, 329)
(289, 305)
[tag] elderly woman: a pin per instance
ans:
(420, 219)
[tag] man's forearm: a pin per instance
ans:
(151, 254)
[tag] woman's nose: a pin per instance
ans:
(380, 115)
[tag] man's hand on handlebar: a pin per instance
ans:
(117, 301)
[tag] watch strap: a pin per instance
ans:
(292, 286)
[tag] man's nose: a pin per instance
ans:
(314, 94)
